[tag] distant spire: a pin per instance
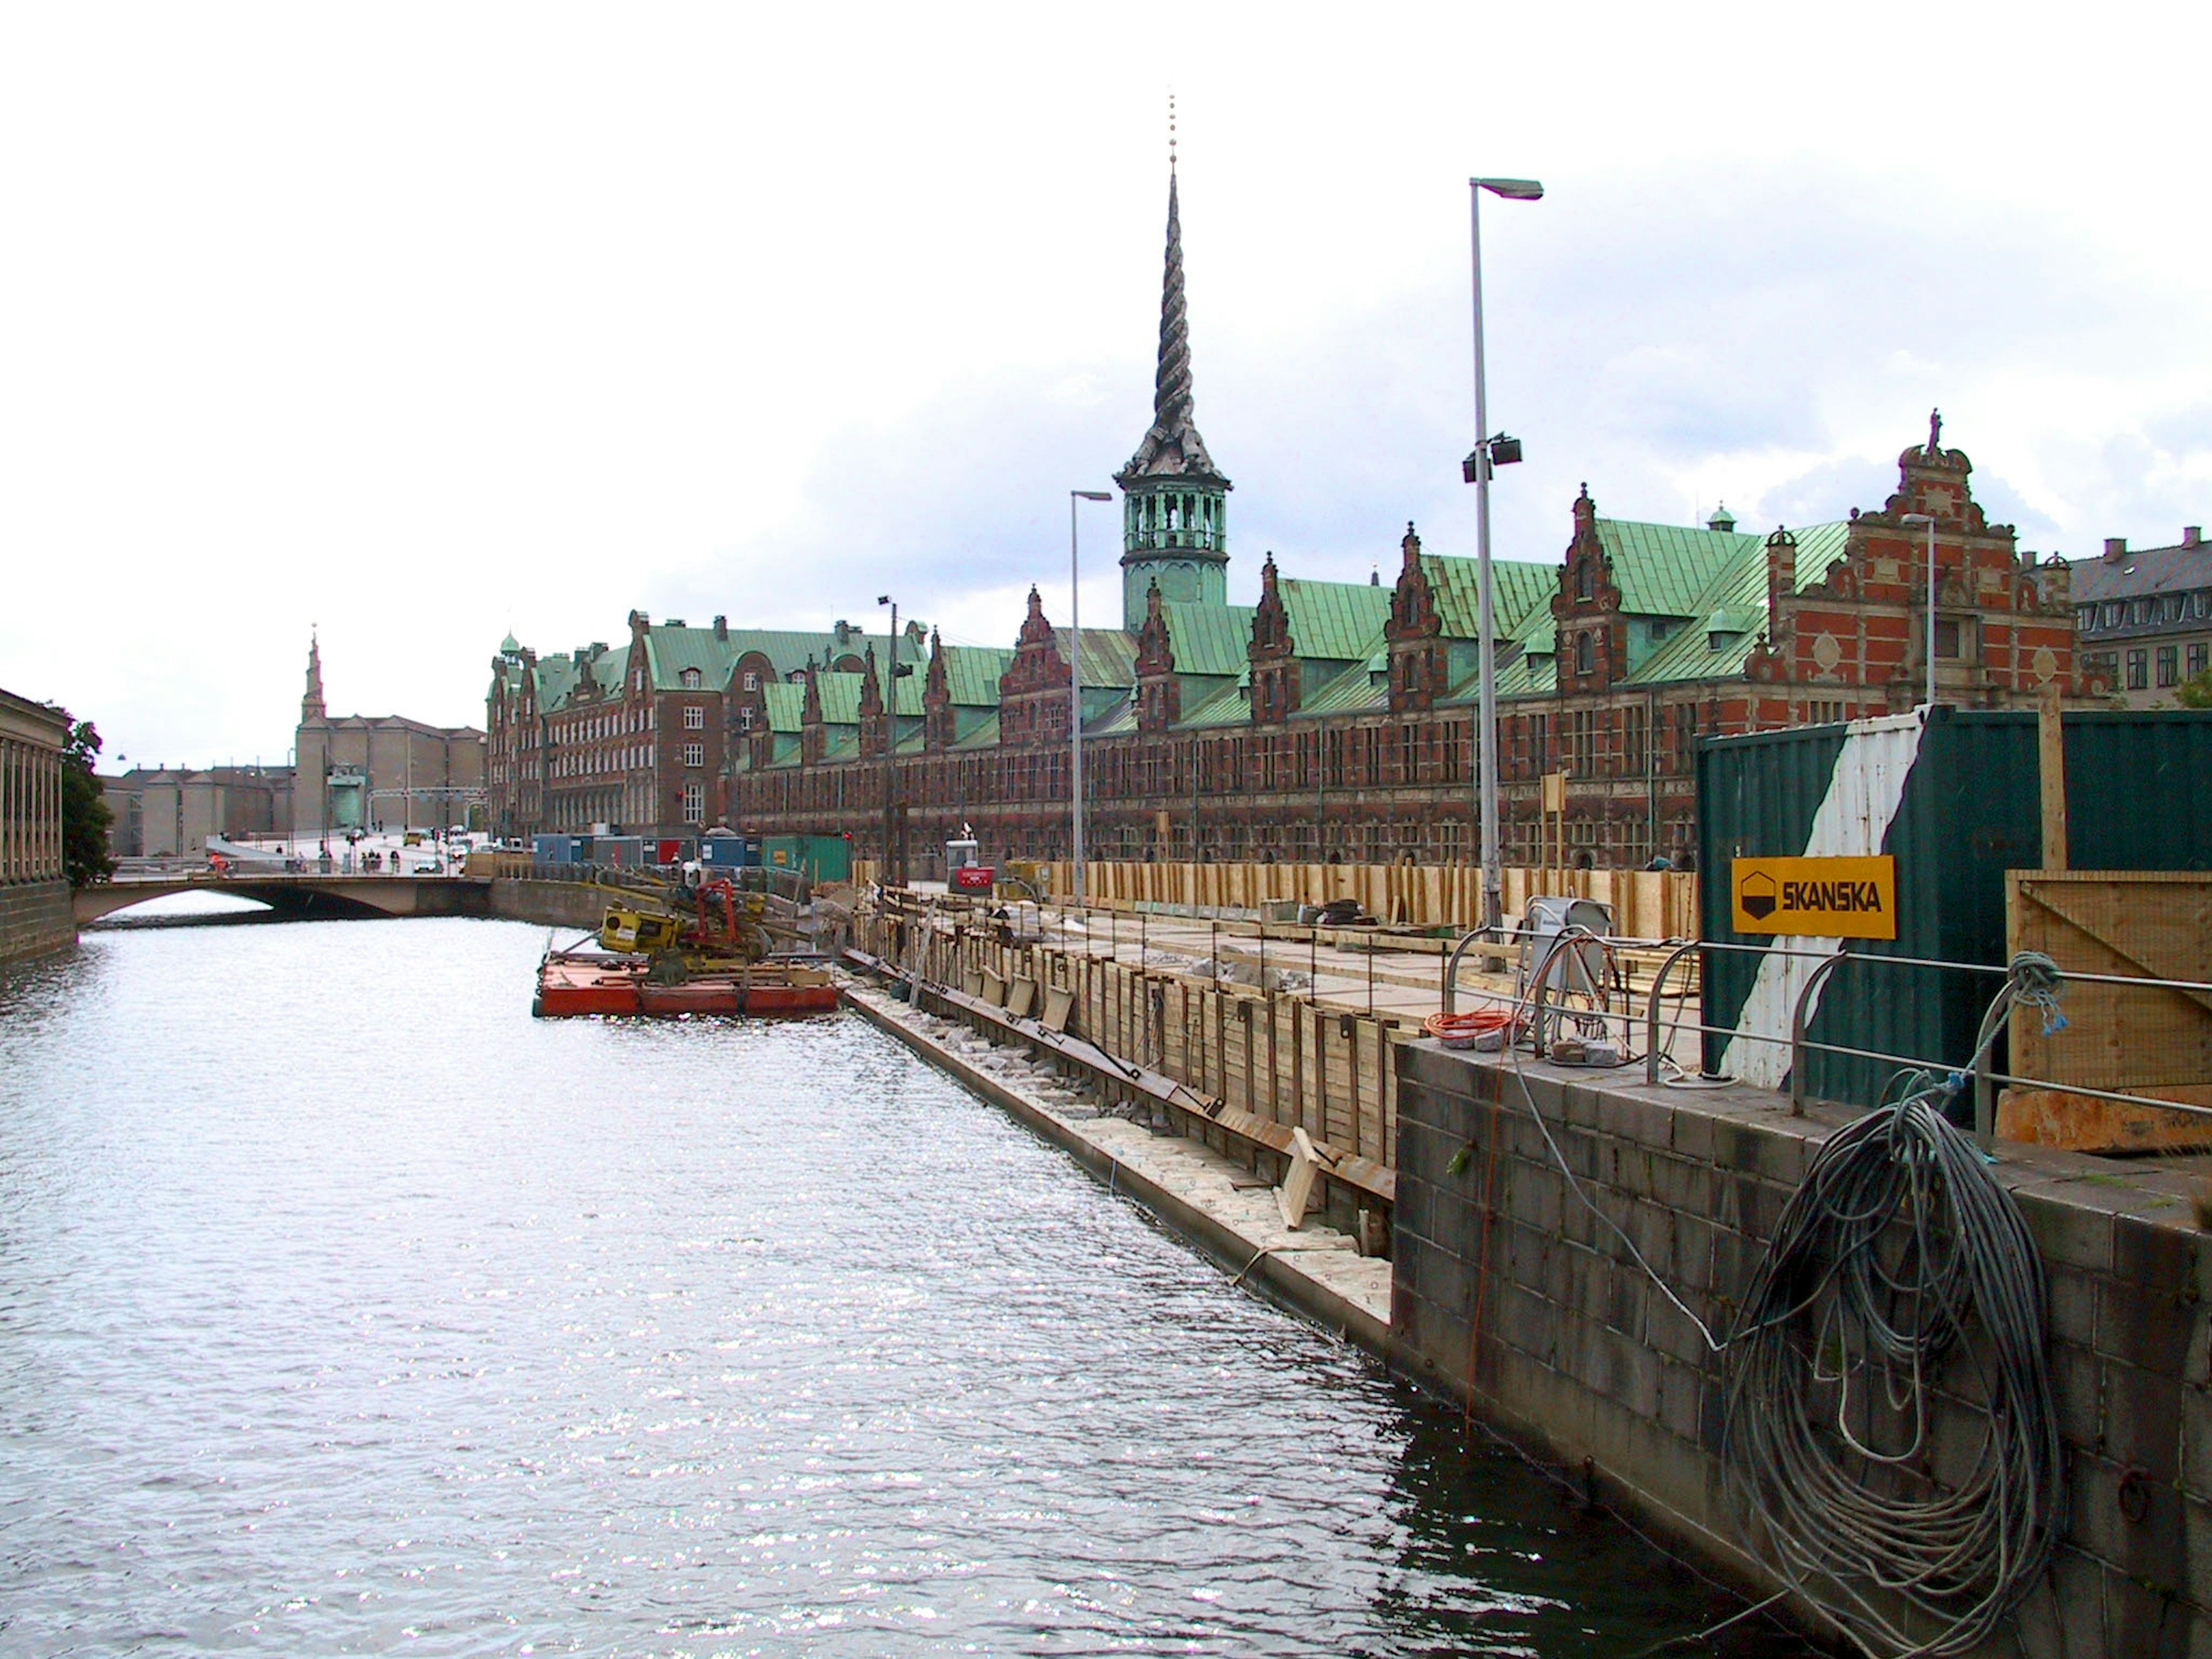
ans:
(1173, 445)
(311, 705)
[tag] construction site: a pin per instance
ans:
(1839, 1218)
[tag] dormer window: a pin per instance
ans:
(752, 680)
(690, 679)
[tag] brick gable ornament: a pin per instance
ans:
(936, 700)
(1159, 691)
(1272, 654)
(1414, 633)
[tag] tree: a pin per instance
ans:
(2194, 692)
(85, 812)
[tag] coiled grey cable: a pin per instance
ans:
(1900, 1253)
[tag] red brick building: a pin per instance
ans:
(1336, 719)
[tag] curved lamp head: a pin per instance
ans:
(1091, 494)
(1513, 190)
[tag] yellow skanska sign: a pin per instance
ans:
(1824, 898)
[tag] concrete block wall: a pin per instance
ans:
(1508, 1290)
(553, 903)
(35, 917)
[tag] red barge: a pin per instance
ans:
(593, 982)
(656, 962)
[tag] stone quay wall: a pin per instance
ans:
(553, 903)
(35, 917)
(1510, 1295)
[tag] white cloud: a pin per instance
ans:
(426, 323)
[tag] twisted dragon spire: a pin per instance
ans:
(1172, 446)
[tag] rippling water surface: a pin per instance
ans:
(345, 1308)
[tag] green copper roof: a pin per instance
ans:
(984, 736)
(1117, 717)
(1662, 568)
(786, 702)
(1352, 689)
(1109, 657)
(1516, 589)
(1232, 706)
(841, 698)
(1333, 621)
(972, 674)
(1208, 639)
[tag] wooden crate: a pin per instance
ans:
(2136, 1040)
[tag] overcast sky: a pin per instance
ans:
(420, 323)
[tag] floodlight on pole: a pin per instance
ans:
(884, 878)
(1075, 675)
(1489, 452)
(1929, 519)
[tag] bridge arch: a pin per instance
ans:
(304, 897)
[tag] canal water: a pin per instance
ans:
(344, 1309)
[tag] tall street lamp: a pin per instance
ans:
(1489, 452)
(890, 728)
(1929, 519)
(1075, 674)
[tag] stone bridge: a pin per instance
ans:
(317, 897)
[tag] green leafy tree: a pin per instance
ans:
(85, 812)
(2194, 692)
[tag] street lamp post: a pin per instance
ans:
(1075, 674)
(890, 728)
(1488, 453)
(1929, 519)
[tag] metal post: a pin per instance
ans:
(891, 704)
(1929, 519)
(1075, 674)
(1931, 611)
(1485, 725)
(1485, 722)
(1075, 691)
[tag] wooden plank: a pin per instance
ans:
(2083, 1123)
(2051, 762)
(1297, 1190)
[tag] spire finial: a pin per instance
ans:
(1171, 132)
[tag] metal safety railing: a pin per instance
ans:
(1979, 1072)
(1608, 1000)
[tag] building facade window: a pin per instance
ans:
(2138, 671)
(2196, 656)
(689, 678)
(744, 720)
(695, 803)
(2169, 665)
(695, 754)
(694, 718)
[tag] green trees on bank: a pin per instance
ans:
(85, 812)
